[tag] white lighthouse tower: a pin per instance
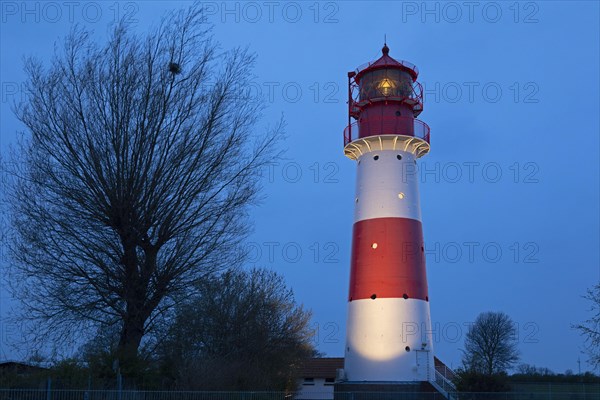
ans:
(389, 328)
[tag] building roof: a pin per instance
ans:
(19, 367)
(321, 367)
(12, 363)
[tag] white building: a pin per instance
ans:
(317, 377)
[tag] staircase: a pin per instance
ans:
(443, 381)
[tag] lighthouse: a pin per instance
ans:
(389, 337)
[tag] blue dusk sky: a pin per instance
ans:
(510, 189)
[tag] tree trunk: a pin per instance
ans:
(129, 343)
(135, 317)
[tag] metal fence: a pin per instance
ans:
(468, 396)
(24, 394)
(586, 393)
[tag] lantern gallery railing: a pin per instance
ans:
(405, 126)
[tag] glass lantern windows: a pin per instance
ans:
(385, 83)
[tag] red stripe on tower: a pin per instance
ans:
(388, 259)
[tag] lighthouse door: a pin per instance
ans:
(423, 370)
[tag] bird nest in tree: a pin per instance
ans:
(174, 68)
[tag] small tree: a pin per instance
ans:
(490, 344)
(490, 349)
(243, 331)
(590, 328)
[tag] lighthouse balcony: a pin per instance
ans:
(404, 126)
(391, 133)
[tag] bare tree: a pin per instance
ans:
(590, 328)
(242, 331)
(490, 344)
(134, 179)
(532, 370)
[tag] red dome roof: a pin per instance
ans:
(385, 61)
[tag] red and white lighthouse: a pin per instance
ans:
(389, 335)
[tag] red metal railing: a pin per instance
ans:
(405, 126)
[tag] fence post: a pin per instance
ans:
(119, 384)
(86, 396)
(49, 389)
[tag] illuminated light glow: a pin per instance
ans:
(386, 86)
(378, 332)
(363, 145)
(408, 142)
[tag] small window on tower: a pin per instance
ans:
(376, 158)
(309, 381)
